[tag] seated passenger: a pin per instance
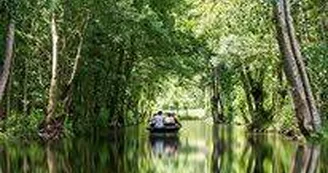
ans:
(158, 120)
(151, 121)
(171, 120)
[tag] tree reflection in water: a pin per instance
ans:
(198, 148)
(219, 147)
(306, 159)
(51, 160)
(260, 153)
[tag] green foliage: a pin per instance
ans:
(138, 56)
(22, 127)
(318, 66)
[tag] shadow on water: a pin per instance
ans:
(198, 147)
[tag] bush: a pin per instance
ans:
(20, 126)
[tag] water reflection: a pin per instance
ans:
(218, 149)
(261, 153)
(259, 159)
(162, 145)
(51, 160)
(306, 159)
(198, 148)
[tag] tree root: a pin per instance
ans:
(52, 130)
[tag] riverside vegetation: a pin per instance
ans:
(84, 66)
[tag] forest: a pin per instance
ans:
(82, 66)
(81, 80)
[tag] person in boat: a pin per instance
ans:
(151, 121)
(157, 121)
(171, 120)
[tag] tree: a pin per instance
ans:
(304, 103)
(217, 106)
(8, 56)
(53, 84)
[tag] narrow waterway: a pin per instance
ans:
(199, 147)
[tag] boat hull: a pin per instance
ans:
(173, 129)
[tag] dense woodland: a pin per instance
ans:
(79, 66)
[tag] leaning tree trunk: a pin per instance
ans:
(52, 91)
(299, 60)
(8, 57)
(68, 91)
(306, 111)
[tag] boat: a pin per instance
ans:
(165, 129)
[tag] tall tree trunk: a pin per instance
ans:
(8, 92)
(25, 109)
(8, 57)
(67, 93)
(301, 66)
(248, 90)
(219, 98)
(217, 106)
(306, 112)
(52, 91)
(8, 95)
(78, 51)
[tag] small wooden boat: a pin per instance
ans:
(165, 129)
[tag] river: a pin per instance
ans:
(199, 147)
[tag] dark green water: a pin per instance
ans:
(198, 148)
